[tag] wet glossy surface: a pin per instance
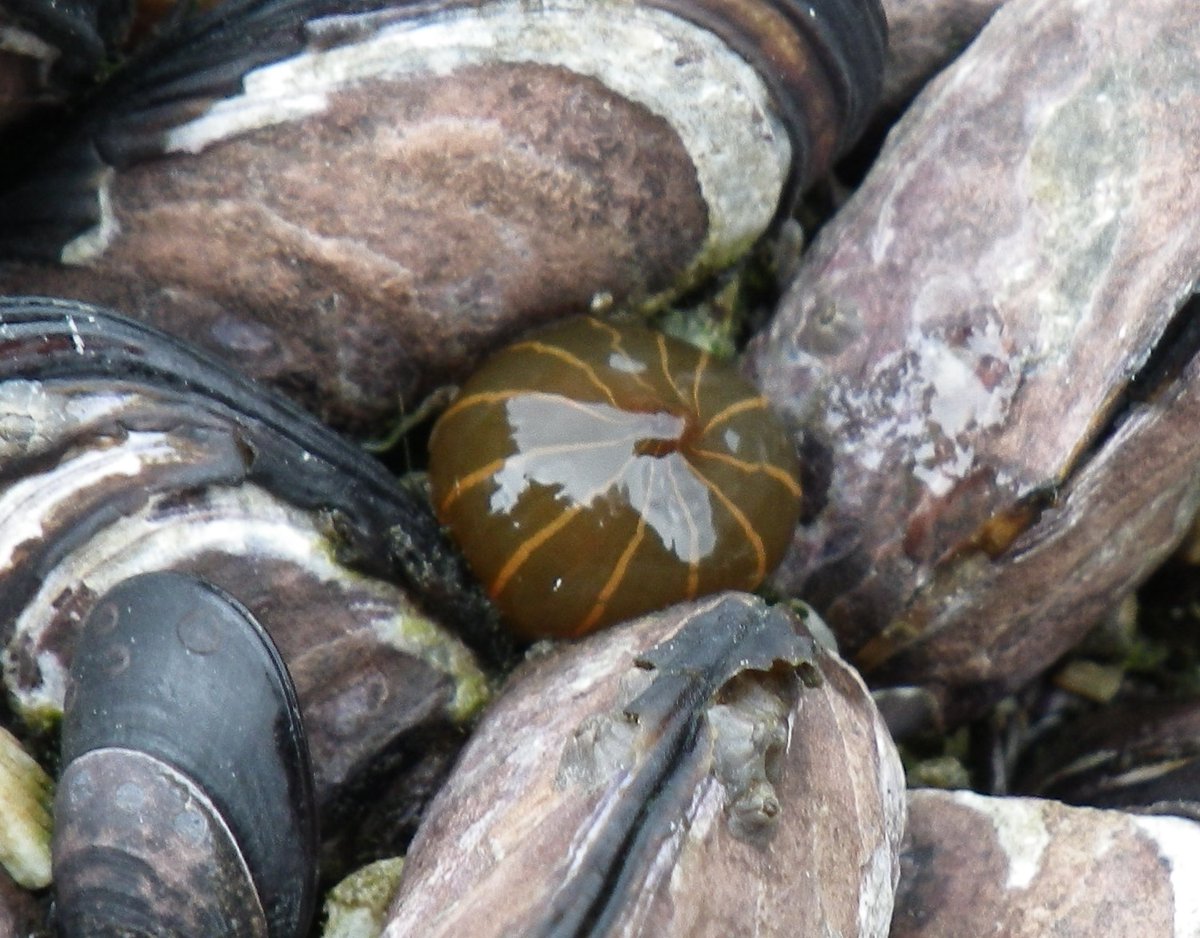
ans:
(593, 473)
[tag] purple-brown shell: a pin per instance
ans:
(594, 472)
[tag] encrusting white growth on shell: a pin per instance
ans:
(714, 99)
(24, 504)
(1177, 840)
(30, 419)
(20, 42)
(95, 241)
(930, 400)
(1020, 829)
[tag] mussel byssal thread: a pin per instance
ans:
(594, 472)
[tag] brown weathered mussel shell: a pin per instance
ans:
(186, 802)
(708, 770)
(1027, 868)
(990, 353)
(124, 452)
(386, 190)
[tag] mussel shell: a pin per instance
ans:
(1031, 867)
(140, 850)
(46, 339)
(829, 50)
(391, 190)
(123, 451)
(172, 668)
(382, 528)
(822, 59)
(708, 770)
(994, 381)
